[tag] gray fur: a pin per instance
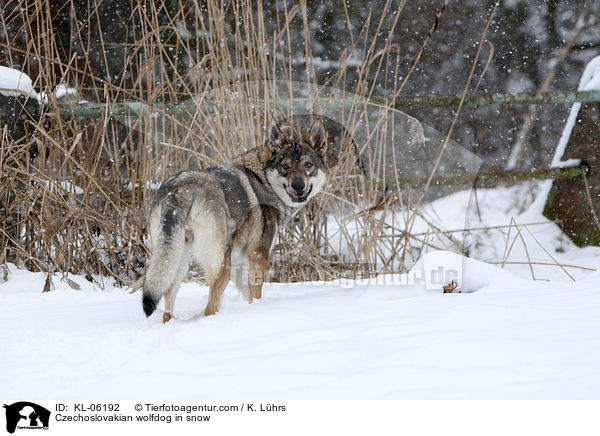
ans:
(225, 218)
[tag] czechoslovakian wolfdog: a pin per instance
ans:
(225, 218)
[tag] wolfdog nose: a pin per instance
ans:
(298, 183)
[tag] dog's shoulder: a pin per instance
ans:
(254, 160)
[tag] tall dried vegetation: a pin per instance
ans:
(172, 85)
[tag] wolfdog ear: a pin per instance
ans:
(318, 138)
(278, 136)
(280, 133)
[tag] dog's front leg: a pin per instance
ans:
(258, 267)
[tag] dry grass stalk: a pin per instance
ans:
(74, 191)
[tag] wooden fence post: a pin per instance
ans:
(573, 205)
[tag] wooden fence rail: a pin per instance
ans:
(187, 106)
(493, 178)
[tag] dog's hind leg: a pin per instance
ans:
(217, 284)
(169, 303)
(171, 294)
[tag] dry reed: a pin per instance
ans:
(75, 190)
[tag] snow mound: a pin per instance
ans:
(14, 83)
(440, 268)
(63, 91)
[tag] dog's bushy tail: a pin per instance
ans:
(167, 258)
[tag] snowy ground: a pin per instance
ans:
(509, 337)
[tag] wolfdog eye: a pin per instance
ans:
(284, 166)
(308, 165)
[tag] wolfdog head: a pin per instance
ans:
(298, 163)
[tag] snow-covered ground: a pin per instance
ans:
(506, 337)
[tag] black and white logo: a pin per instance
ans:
(26, 415)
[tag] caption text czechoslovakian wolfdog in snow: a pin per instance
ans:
(225, 218)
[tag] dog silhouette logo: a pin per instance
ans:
(26, 415)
